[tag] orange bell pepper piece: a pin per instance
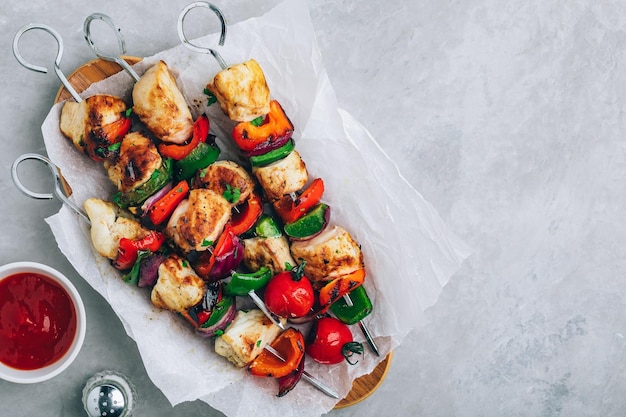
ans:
(276, 127)
(290, 344)
(339, 287)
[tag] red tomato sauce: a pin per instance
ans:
(37, 321)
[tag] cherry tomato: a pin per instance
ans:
(289, 294)
(330, 341)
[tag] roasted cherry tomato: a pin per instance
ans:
(289, 294)
(330, 342)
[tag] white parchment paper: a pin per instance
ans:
(409, 253)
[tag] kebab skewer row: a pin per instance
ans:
(266, 141)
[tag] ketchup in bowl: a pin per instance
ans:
(37, 321)
(42, 322)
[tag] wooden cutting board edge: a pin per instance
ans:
(99, 69)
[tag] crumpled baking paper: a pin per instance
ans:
(409, 253)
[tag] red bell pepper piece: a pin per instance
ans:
(275, 129)
(339, 287)
(163, 208)
(200, 133)
(247, 215)
(128, 250)
(116, 130)
(291, 210)
(226, 255)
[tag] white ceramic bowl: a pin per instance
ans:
(37, 375)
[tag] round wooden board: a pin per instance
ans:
(98, 70)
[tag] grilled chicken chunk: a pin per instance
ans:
(242, 91)
(138, 159)
(272, 252)
(94, 124)
(198, 220)
(161, 106)
(282, 177)
(108, 226)
(226, 178)
(245, 337)
(178, 286)
(329, 255)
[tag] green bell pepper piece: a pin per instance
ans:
(266, 226)
(241, 284)
(158, 180)
(309, 224)
(218, 311)
(200, 157)
(273, 155)
(361, 307)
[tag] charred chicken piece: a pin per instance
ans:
(245, 337)
(178, 287)
(282, 177)
(95, 124)
(228, 179)
(242, 91)
(272, 252)
(108, 225)
(137, 160)
(331, 254)
(198, 221)
(161, 106)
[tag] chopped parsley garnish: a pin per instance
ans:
(128, 112)
(231, 194)
(258, 343)
(258, 121)
(206, 242)
(211, 97)
(114, 147)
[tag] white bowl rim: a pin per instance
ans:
(19, 376)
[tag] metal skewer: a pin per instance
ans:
(57, 61)
(60, 185)
(366, 332)
(118, 59)
(307, 376)
(201, 49)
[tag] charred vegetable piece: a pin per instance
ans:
(267, 227)
(338, 287)
(290, 344)
(160, 178)
(289, 382)
(273, 155)
(273, 133)
(220, 316)
(290, 210)
(309, 225)
(241, 284)
(149, 269)
(200, 157)
(128, 250)
(224, 258)
(246, 214)
(165, 206)
(361, 306)
(200, 134)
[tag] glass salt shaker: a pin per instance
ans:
(109, 394)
